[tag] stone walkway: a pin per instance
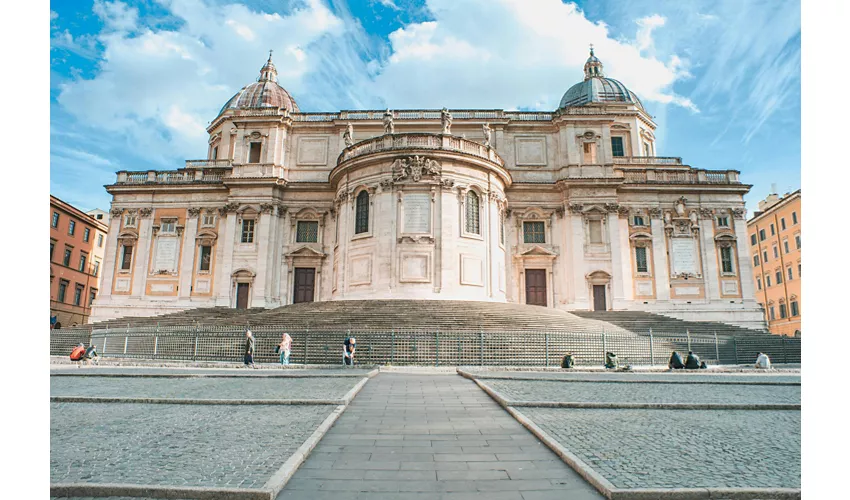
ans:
(431, 437)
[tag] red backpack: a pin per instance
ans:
(77, 353)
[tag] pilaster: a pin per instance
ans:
(140, 270)
(709, 255)
(659, 260)
(187, 258)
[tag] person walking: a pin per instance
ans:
(249, 349)
(285, 348)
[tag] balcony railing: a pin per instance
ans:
(209, 163)
(172, 176)
(390, 142)
(693, 176)
(647, 160)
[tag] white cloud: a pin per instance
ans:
(646, 26)
(517, 54)
(116, 15)
(53, 15)
(241, 30)
(389, 3)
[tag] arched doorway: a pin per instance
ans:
(242, 280)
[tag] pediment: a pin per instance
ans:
(537, 251)
(725, 237)
(306, 251)
(640, 235)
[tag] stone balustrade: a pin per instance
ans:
(647, 160)
(181, 176)
(209, 163)
(691, 176)
(390, 142)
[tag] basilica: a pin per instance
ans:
(567, 209)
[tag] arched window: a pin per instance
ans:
(472, 213)
(361, 217)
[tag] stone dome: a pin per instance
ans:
(264, 93)
(596, 88)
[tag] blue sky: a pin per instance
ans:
(134, 84)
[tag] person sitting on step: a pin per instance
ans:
(611, 361)
(763, 362)
(692, 361)
(348, 348)
(91, 355)
(675, 362)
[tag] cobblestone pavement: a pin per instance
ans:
(681, 448)
(203, 388)
(411, 436)
(539, 390)
(673, 377)
(178, 445)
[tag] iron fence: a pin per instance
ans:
(424, 347)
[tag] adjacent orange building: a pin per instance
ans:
(77, 242)
(777, 264)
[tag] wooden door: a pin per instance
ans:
(305, 281)
(242, 295)
(535, 287)
(599, 302)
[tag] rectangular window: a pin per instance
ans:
(797, 240)
(782, 311)
(787, 248)
(205, 254)
(307, 231)
(55, 221)
(772, 230)
(639, 220)
(795, 308)
(793, 217)
(100, 241)
(72, 225)
(63, 287)
(590, 152)
(92, 296)
(52, 244)
(66, 260)
(755, 260)
(799, 269)
(772, 313)
(782, 223)
(762, 235)
(764, 261)
(790, 273)
(502, 228)
(78, 294)
(646, 149)
(83, 258)
(617, 146)
(215, 153)
(595, 227)
(86, 234)
(758, 282)
(775, 252)
(726, 260)
(130, 220)
(126, 257)
(95, 268)
(168, 226)
(254, 152)
(778, 277)
(208, 220)
(767, 279)
(248, 230)
(753, 239)
(640, 258)
(534, 232)
(723, 221)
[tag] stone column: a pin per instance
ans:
(659, 260)
(709, 259)
(617, 280)
(225, 267)
(258, 290)
(579, 268)
(142, 264)
(625, 267)
(187, 266)
(744, 264)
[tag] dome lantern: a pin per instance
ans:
(597, 88)
(593, 66)
(266, 92)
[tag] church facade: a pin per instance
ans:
(568, 209)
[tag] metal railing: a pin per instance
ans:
(424, 347)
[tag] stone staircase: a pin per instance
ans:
(640, 323)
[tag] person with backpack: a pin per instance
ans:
(284, 348)
(249, 349)
(348, 348)
(692, 361)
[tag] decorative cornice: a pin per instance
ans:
(193, 212)
(266, 208)
(576, 208)
(739, 213)
(145, 212)
(706, 213)
(654, 212)
(230, 207)
(116, 212)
